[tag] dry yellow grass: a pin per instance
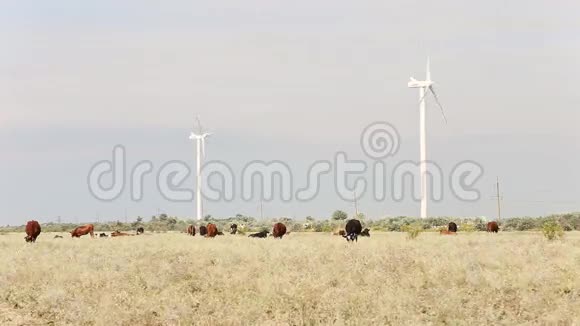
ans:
(173, 279)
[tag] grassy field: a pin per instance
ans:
(306, 278)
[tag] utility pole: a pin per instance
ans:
(498, 196)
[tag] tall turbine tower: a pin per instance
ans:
(200, 146)
(424, 87)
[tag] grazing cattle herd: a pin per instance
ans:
(351, 232)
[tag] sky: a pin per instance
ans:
(293, 82)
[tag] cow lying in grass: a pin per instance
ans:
(262, 234)
(120, 234)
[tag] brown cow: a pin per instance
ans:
(32, 231)
(492, 227)
(83, 230)
(278, 230)
(120, 234)
(447, 232)
(191, 230)
(212, 231)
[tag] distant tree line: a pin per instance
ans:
(165, 223)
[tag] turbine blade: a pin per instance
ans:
(424, 96)
(199, 128)
(439, 104)
(203, 147)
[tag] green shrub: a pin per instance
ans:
(413, 230)
(552, 230)
(467, 227)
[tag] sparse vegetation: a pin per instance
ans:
(413, 230)
(467, 227)
(552, 230)
(339, 216)
(304, 279)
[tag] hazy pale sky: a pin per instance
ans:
(294, 82)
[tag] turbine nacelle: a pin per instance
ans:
(196, 136)
(414, 83)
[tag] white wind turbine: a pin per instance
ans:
(424, 87)
(200, 145)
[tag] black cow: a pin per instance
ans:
(353, 229)
(452, 227)
(263, 234)
(202, 230)
(140, 230)
(103, 235)
(233, 229)
(365, 233)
